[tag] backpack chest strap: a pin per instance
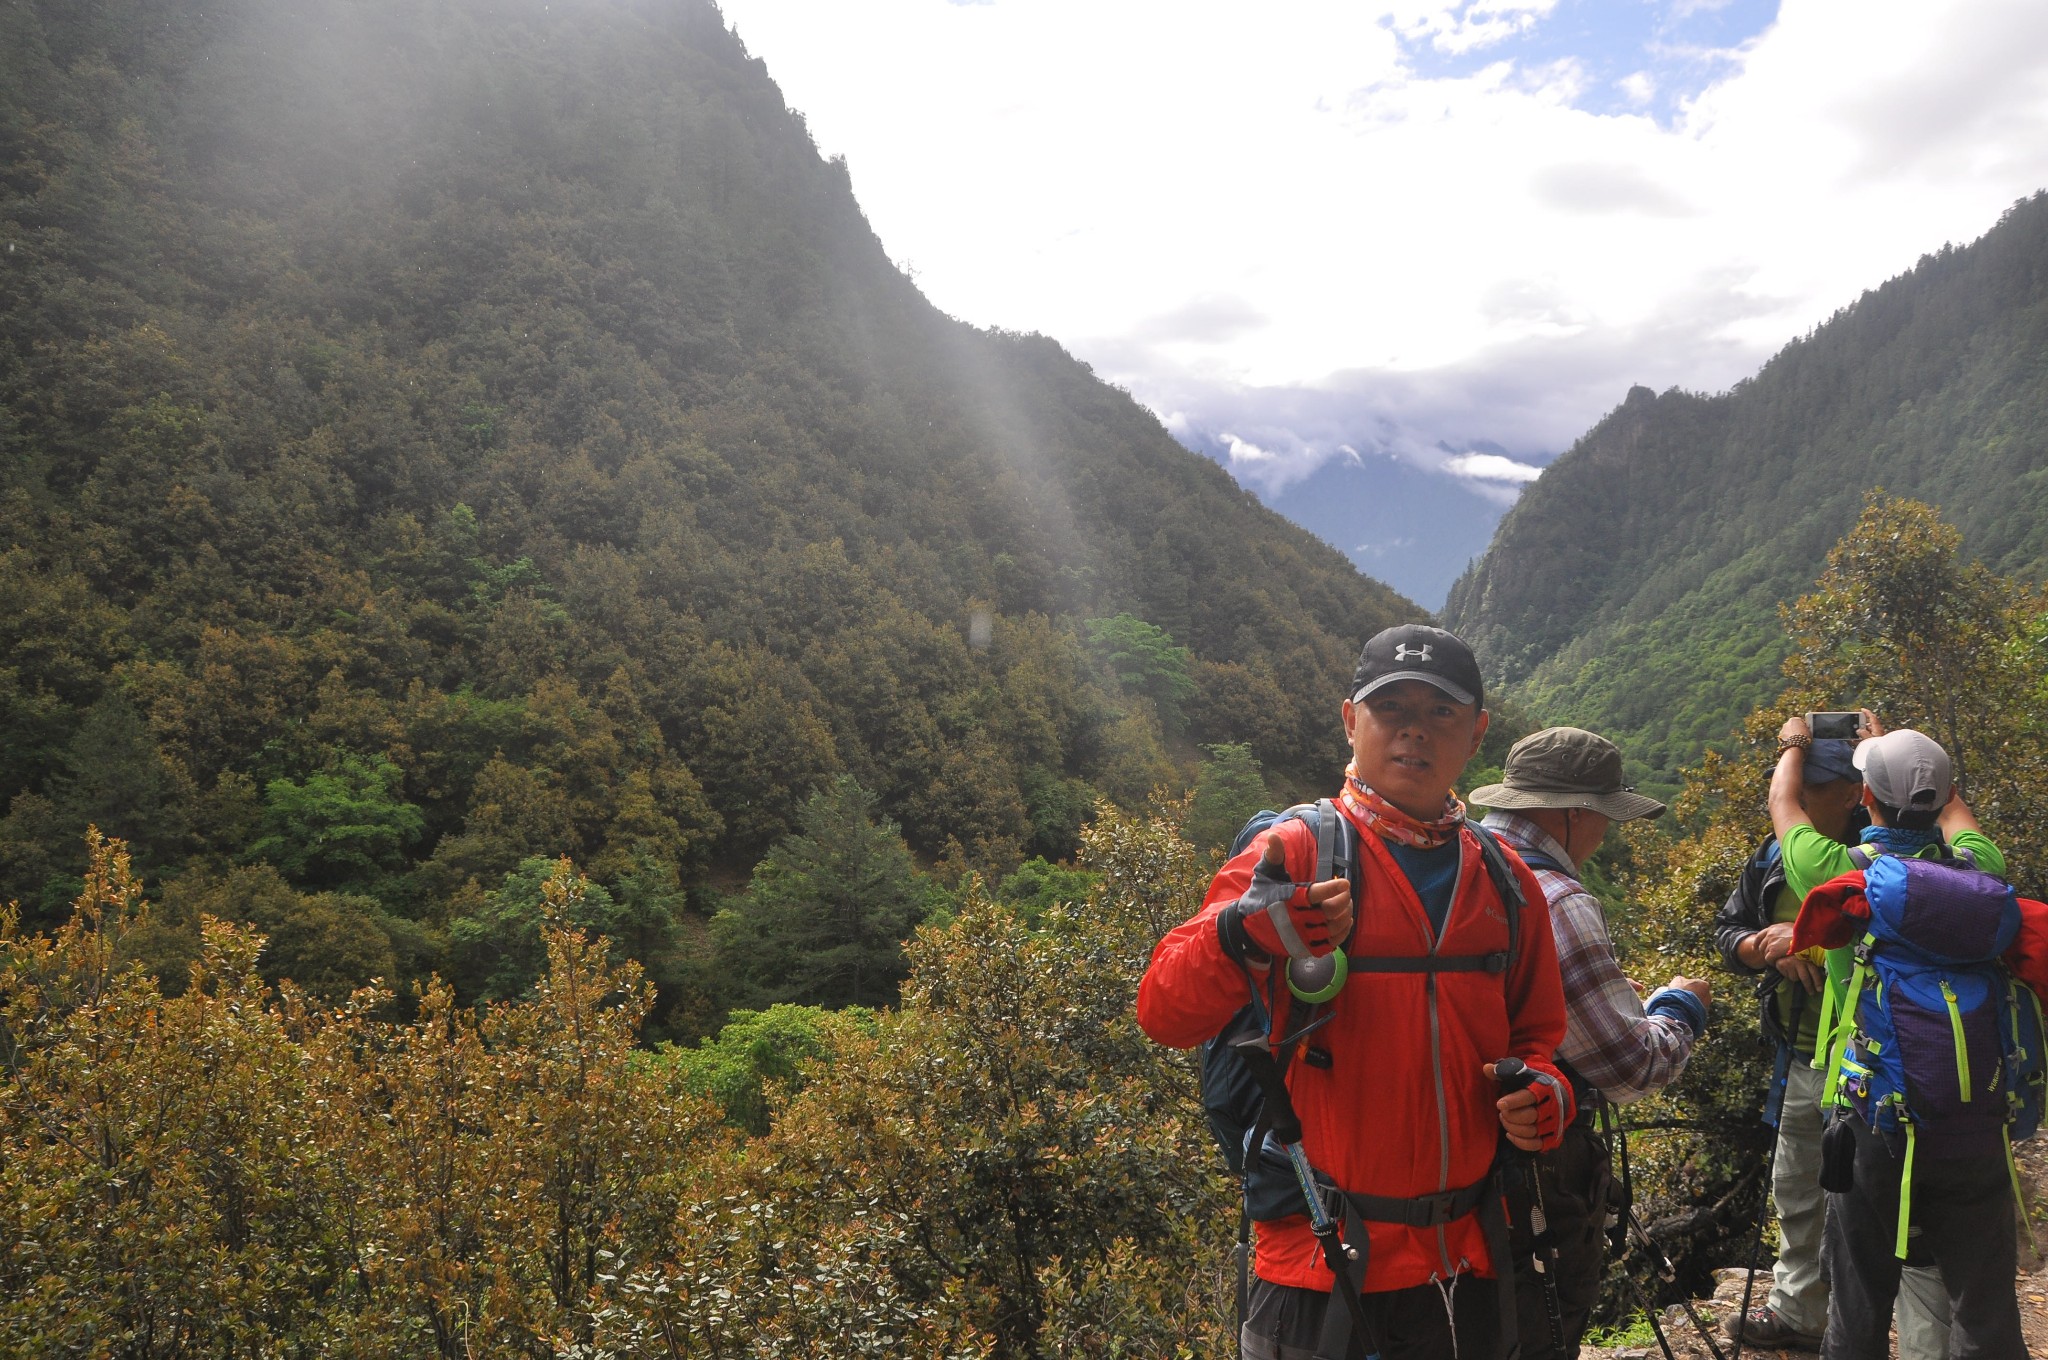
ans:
(1496, 962)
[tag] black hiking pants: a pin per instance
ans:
(1962, 1222)
(1285, 1323)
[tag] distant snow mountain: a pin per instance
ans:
(1413, 528)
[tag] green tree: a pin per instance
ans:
(344, 827)
(1228, 790)
(824, 919)
(759, 1060)
(36, 872)
(1145, 660)
(1058, 807)
(113, 776)
(329, 944)
(499, 949)
(1039, 885)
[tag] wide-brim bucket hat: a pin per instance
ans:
(1566, 767)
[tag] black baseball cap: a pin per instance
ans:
(1416, 651)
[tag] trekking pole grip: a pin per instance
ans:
(1513, 1074)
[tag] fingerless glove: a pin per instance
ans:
(1274, 918)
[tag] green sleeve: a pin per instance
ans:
(1811, 859)
(1989, 857)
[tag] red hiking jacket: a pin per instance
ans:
(1405, 1107)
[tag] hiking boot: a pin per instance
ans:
(1763, 1327)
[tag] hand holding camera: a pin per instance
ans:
(1802, 730)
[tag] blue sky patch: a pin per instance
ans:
(1637, 56)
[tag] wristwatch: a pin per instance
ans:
(1803, 742)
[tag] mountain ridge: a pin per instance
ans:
(1633, 587)
(498, 425)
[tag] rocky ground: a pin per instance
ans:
(1685, 1339)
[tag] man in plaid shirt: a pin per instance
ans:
(1561, 790)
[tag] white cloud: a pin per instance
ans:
(1273, 468)
(1491, 467)
(1591, 187)
(1464, 28)
(1257, 215)
(1244, 451)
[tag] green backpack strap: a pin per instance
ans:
(1837, 1042)
(1955, 1024)
(1832, 1017)
(2019, 1196)
(1824, 1038)
(1905, 1194)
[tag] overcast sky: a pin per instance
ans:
(1453, 234)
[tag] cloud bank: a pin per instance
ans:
(1410, 229)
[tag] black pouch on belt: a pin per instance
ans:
(1838, 1155)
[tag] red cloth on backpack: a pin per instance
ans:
(2028, 955)
(1836, 913)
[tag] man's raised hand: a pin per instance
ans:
(1282, 917)
(1332, 896)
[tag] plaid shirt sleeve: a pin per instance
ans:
(1608, 1038)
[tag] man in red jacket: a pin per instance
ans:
(1395, 1092)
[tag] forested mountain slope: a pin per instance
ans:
(440, 434)
(1634, 586)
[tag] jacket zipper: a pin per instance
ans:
(1436, 1062)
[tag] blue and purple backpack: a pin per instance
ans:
(1938, 1045)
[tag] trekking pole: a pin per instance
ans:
(1649, 1312)
(1782, 1079)
(1515, 1075)
(1285, 1127)
(1616, 1134)
(1668, 1273)
(1756, 1245)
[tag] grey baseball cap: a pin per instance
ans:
(1906, 770)
(1566, 767)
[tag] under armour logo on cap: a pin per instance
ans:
(1416, 651)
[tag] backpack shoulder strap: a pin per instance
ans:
(1505, 883)
(1337, 854)
(1861, 857)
